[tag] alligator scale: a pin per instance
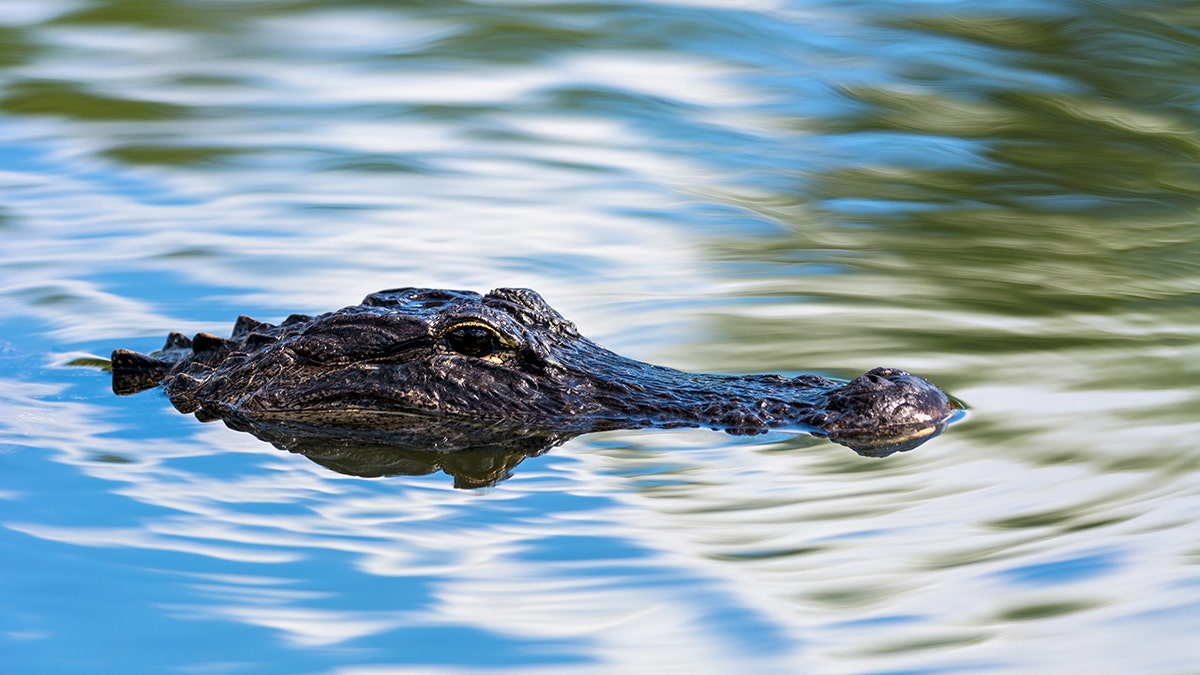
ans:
(419, 358)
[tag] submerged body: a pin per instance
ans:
(506, 357)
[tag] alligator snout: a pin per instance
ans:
(886, 410)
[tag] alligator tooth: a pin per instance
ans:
(246, 325)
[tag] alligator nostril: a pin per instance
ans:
(868, 382)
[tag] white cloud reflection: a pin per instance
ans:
(283, 511)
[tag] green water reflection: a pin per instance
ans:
(1070, 208)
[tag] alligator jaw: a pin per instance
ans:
(883, 411)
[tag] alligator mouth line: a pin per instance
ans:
(867, 440)
(349, 402)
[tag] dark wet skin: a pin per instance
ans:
(427, 365)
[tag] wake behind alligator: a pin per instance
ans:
(445, 374)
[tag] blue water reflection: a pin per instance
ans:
(1064, 571)
(998, 196)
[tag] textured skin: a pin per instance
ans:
(505, 357)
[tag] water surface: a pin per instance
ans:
(1001, 197)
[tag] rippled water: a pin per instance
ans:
(1002, 197)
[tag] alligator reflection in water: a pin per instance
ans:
(413, 380)
(474, 454)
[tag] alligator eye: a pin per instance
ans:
(472, 340)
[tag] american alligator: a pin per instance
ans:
(476, 361)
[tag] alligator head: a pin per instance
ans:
(505, 357)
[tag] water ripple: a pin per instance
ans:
(999, 197)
